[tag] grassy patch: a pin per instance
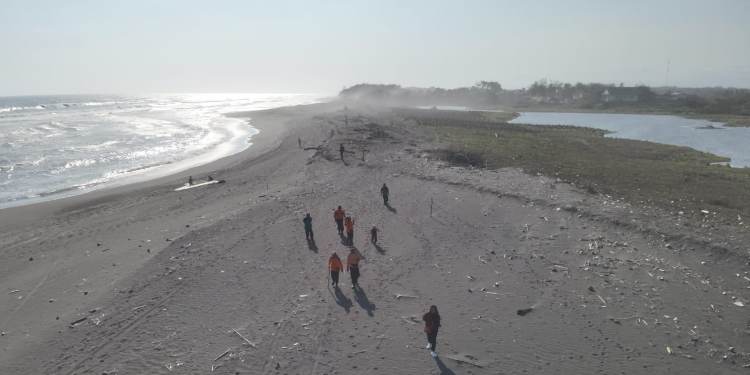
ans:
(641, 172)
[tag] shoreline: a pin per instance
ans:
(138, 175)
(225, 135)
(259, 145)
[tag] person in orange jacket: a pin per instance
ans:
(352, 265)
(335, 266)
(349, 224)
(338, 217)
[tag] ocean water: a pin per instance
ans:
(56, 146)
(701, 135)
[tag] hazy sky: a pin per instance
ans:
(54, 47)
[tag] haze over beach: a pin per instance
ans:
(441, 187)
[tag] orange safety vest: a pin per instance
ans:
(334, 264)
(339, 214)
(353, 259)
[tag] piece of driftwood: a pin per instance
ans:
(77, 322)
(222, 354)
(244, 338)
(411, 319)
(399, 296)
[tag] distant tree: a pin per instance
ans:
(491, 86)
(645, 94)
(538, 88)
(694, 102)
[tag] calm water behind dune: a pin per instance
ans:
(701, 135)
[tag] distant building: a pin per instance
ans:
(620, 95)
(675, 95)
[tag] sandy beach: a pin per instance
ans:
(531, 275)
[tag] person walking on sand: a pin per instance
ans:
(431, 325)
(338, 217)
(352, 266)
(341, 151)
(299, 142)
(384, 193)
(190, 180)
(308, 227)
(349, 224)
(374, 235)
(335, 266)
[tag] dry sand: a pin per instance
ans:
(220, 279)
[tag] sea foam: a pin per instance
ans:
(56, 146)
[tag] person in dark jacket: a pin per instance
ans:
(308, 227)
(431, 326)
(384, 193)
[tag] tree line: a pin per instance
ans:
(544, 93)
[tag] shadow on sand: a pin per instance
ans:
(444, 370)
(379, 248)
(344, 240)
(312, 246)
(341, 299)
(361, 298)
(388, 206)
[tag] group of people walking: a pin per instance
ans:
(344, 223)
(345, 226)
(352, 266)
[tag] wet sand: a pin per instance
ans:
(143, 279)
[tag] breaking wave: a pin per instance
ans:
(59, 146)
